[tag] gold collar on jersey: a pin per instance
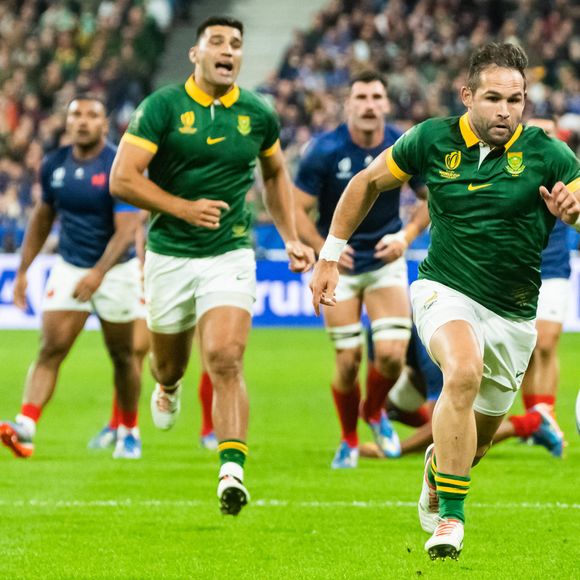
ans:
(205, 100)
(472, 139)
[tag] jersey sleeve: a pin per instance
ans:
(563, 166)
(405, 157)
(270, 143)
(310, 175)
(47, 192)
(148, 123)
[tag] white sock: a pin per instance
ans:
(232, 469)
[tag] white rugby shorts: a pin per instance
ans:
(553, 300)
(354, 285)
(506, 345)
(116, 299)
(179, 291)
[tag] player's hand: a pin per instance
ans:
(323, 284)
(301, 256)
(346, 260)
(88, 285)
(391, 247)
(205, 213)
(20, 285)
(561, 202)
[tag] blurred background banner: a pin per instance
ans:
(283, 298)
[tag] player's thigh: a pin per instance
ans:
(118, 337)
(141, 337)
(549, 333)
(343, 325)
(223, 335)
(60, 329)
(389, 311)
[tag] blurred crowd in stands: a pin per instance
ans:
(50, 50)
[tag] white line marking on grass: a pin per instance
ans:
(165, 503)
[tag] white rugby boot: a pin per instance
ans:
(165, 407)
(428, 505)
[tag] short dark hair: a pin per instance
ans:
(219, 21)
(493, 54)
(368, 76)
(88, 97)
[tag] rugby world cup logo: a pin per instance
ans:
(244, 125)
(452, 160)
(187, 120)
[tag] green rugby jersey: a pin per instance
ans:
(489, 223)
(204, 148)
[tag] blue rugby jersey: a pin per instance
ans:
(556, 256)
(79, 193)
(330, 161)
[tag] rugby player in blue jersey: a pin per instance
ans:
(540, 383)
(96, 272)
(374, 271)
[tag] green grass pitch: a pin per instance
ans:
(69, 513)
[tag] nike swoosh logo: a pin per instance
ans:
(211, 141)
(472, 187)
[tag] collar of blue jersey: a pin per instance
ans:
(472, 139)
(205, 100)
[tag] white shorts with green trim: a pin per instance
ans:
(116, 299)
(506, 345)
(553, 300)
(179, 291)
(354, 285)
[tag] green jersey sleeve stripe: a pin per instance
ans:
(573, 186)
(271, 150)
(394, 168)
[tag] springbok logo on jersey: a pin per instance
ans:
(515, 162)
(244, 125)
(452, 161)
(187, 120)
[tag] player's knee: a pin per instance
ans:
(546, 344)
(53, 352)
(122, 356)
(348, 363)
(225, 360)
(482, 450)
(390, 357)
(462, 383)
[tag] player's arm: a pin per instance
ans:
(126, 224)
(564, 202)
(307, 232)
(37, 232)
(128, 183)
(279, 201)
(356, 201)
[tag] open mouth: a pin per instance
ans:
(225, 66)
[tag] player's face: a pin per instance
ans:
(367, 106)
(218, 56)
(497, 105)
(86, 122)
(547, 125)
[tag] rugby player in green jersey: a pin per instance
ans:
(198, 142)
(494, 189)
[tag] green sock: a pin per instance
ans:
(452, 491)
(232, 450)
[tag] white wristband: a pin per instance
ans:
(332, 249)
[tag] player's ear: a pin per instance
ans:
(193, 55)
(466, 96)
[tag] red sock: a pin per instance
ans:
(128, 418)
(206, 399)
(378, 387)
(414, 418)
(526, 425)
(115, 414)
(532, 400)
(347, 406)
(31, 411)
